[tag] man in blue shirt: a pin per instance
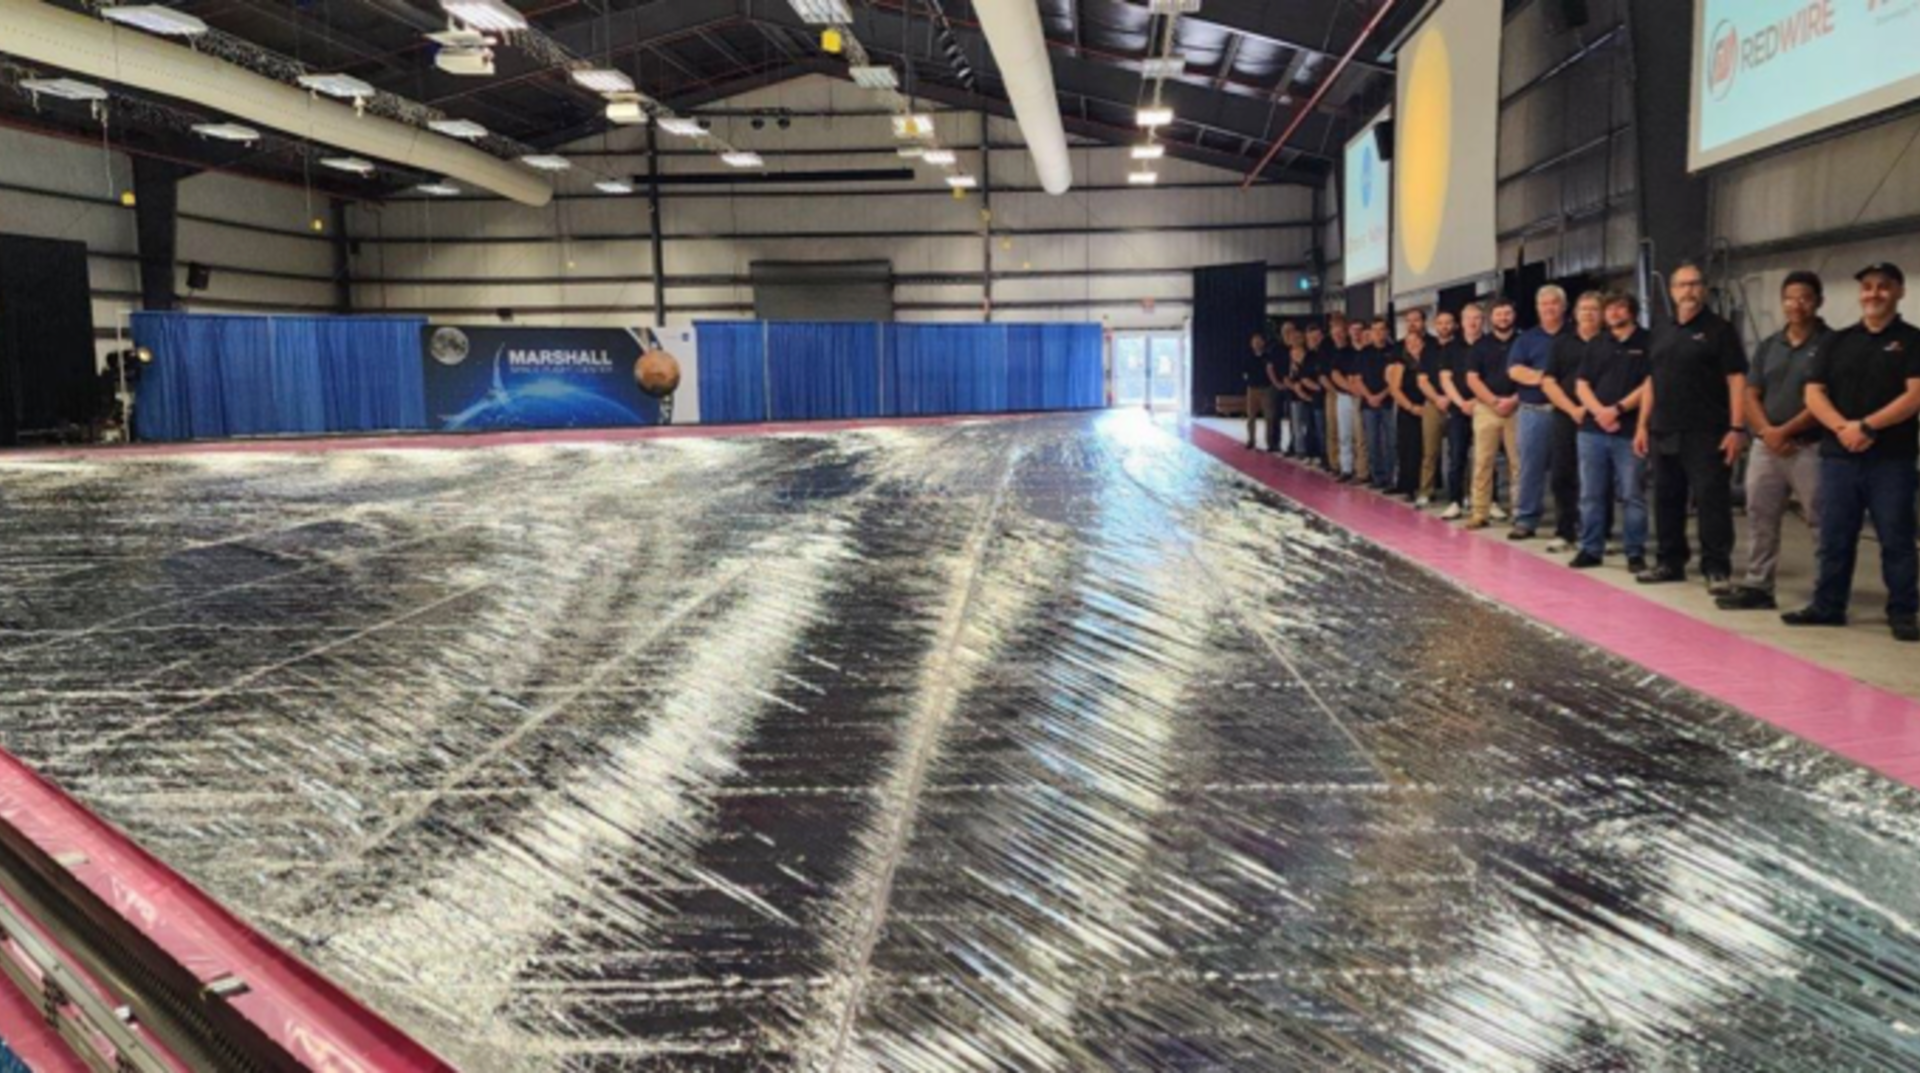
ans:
(1527, 364)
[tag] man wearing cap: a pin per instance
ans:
(1864, 390)
(1785, 461)
(1692, 432)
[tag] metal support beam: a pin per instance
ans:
(655, 230)
(986, 203)
(156, 224)
(342, 256)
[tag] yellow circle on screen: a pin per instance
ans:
(1426, 148)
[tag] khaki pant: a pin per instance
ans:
(1491, 434)
(1331, 443)
(1433, 433)
(1256, 407)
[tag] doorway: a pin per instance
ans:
(1150, 369)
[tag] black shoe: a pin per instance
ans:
(1747, 598)
(1719, 585)
(1249, 444)
(1661, 575)
(1584, 561)
(1521, 532)
(1637, 565)
(1812, 617)
(1905, 629)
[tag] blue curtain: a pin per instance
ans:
(225, 376)
(823, 371)
(732, 372)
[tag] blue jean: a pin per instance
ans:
(1609, 469)
(1853, 488)
(1459, 459)
(1536, 456)
(1380, 440)
(1349, 419)
(1308, 420)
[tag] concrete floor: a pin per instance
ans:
(1864, 650)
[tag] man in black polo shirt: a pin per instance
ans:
(1376, 403)
(1496, 422)
(1433, 433)
(1612, 386)
(1560, 383)
(1865, 391)
(1693, 432)
(1453, 383)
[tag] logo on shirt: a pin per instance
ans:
(1700, 337)
(1896, 346)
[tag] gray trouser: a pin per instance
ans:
(1771, 478)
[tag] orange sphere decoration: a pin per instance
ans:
(658, 373)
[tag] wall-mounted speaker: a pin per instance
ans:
(1383, 139)
(199, 276)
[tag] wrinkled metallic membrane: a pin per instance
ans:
(1044, 744)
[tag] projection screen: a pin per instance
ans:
(1363, 205)
(1770, 71)
(1447, 119)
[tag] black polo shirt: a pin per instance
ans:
(1613, 369)
(1569, 352)
(1691, 364)
(1432, 362)
(1459, 356)
(1863, 373)
(1489, 361)
(1315, 367)
(1371, 366)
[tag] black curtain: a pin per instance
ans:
(1229, 307)
(1360, 302)
(1457, 297)
(47, 378)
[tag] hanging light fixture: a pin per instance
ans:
(546, 162)
(239, 133)
(680, 125)
(439, 188)
(603, 80)
(613, 187)
(1149, 152)
(155, 19)
(962, 182)
(458, 129)
(484, 14)
(742, 159)
(940, 157)
(1155, 116)
(349, 164)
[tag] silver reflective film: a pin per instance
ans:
(1044, 744)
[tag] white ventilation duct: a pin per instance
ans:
(1020, 52)
(42, 33)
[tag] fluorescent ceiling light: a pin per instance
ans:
(439, 188)
(485, 14)
(911, 151)
(1155, 116)
(962, 180)
(156, 19)
(680, 125)
(546, 162)
(742, 159)
(940, 157)
(349, 164)
(626, 111)
(613, 187)
(603, 80)
(875, 77)
(459, 129)
(1143, 178)
(1172, 7)
(822, 12)
(339, 86)
(1164, 67)
(1149, 152)
(912, 126)
(70, 89)
(239, 133)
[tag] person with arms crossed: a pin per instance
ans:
(1694, 429)
(1864, 390)
(1785, 459)
(1532, 355)
(1612, 385)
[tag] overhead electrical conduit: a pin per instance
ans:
(39, 32)
(1020, 52)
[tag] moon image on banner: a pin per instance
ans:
(1426, 148)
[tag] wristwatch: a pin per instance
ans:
(1867, 429)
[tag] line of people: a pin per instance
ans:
(1621, 425)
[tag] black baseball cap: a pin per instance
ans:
(1884, 269)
